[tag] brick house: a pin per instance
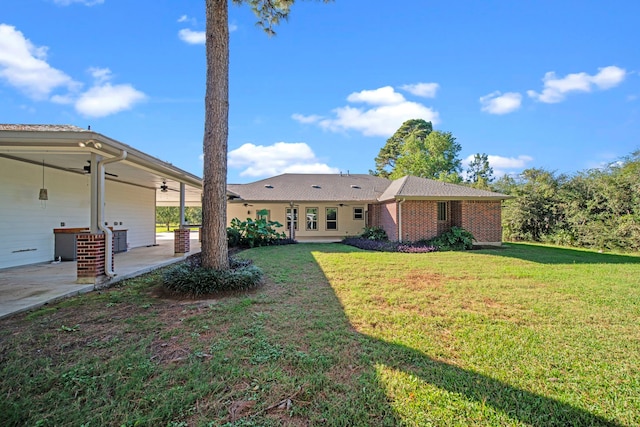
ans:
(328, 207)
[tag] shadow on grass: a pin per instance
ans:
(521, 405)
(556, 255)
(518, 404)
(306, 342)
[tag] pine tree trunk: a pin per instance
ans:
(215, 253)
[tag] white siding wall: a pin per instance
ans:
(135, 207)
(26, 223)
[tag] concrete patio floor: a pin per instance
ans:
(28, 287)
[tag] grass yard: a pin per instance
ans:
(524, 335)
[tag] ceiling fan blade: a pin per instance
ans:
(87, 169)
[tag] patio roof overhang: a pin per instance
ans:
(70, 149)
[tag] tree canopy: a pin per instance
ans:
(596, 208)
(416, 149)
(393, 148)
(479, 172)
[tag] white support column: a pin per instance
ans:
(94, 226)
(182, 201)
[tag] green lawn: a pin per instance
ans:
(163, 228)
(524, 335)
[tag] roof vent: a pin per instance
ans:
(268, 186)
(315, 186)
(355, 186)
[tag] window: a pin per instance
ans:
(442, 211)
(295, 218)
(332, 218)
(358, 213)
(312, 218)
(263, 214)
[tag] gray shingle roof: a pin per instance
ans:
(42, 128)
(349, 187)
(313, 187)
(423, 188)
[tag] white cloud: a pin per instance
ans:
(504, 165)
(24, 66)
(499, 103)
(107, 99)
(103, 98)
(197, 37)
(382, 96)
(84, 2)
(67, 99)
(389, 110)
(425, 90)
(192, 37)
(609, 77)
(555, 89)
(183, 18)
(313, 118)
(100, 75)
(508, 162)
(281, 157)
(381, 121)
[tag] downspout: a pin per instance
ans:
(400, 219)
(108, 267)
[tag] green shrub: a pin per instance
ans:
(456, 239)
(254, 232)
(191, 279)
(233, 237)
(374, 233)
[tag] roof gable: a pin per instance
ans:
(423, 188)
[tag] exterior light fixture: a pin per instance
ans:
(96, 144)
(43, 191)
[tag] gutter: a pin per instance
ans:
(108, 268)
(400, 219)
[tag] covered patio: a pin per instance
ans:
(28, 287)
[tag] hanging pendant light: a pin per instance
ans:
(43, 191)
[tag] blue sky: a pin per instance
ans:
(551, 84)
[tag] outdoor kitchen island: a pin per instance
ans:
(66, 238)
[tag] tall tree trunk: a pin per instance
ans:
(215, 253)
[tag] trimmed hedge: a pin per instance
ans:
(191, 279)
(455, 239)
(387, 246)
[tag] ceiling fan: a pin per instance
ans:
(164, 187)
(87, 169)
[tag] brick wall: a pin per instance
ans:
(419, 220)
(483, 220)
(91, 257)
(385, 215)
(455, 208)
(181, 242)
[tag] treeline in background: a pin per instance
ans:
(168, 217)
(596, 208)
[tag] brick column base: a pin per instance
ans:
(91, 257)
(181, 243)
